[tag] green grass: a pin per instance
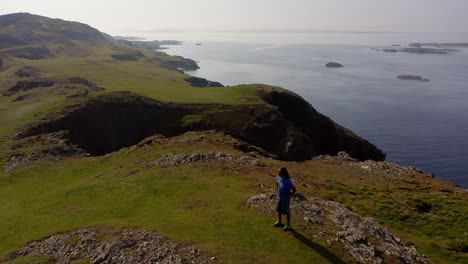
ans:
(199, 204)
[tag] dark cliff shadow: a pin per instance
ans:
(317, 248)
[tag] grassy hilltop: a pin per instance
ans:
(95, 134)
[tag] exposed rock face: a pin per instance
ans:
(54, 146)
(27, 71)
(172, 160)
(129, 246)
(181, 63)
(289, 128)
(28, 85)
(115, 120)
(361, 238)
(310, 133)
(412, 78)
(201, 82)
(334, 65)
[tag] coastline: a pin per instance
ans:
(432, 174)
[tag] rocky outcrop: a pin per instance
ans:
(334, 65)
(126, 246)
(412, 78)
(179, 63)
(201, 82)
(28, 85)
(360, 238)
(173, 160)
(54, 146)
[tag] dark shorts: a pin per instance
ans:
(283, 207)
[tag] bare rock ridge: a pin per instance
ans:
(287, 127)
(358, 238)
(127, 246)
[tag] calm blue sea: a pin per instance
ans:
(422, 124)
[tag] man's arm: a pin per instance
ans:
(293, 190)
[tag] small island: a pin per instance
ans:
(334, 65)
(412, 78)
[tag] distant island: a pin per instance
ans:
(334, 65)
(441, 45)
(412, 78)
(420, 48)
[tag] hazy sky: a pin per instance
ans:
(113, 16)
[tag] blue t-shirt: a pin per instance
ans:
(284, 188)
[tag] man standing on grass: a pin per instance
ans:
(286, 190)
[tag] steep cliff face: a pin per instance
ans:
(289, 128)
(310, 133)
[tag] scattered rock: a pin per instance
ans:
(54, 146)
(172, 160)
(385, 168)
(127, 246)
(361, 238)
(334, 65)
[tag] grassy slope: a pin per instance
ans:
(202, 203)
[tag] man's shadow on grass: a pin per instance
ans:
(317, 248)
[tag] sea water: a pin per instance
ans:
(421, 124)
